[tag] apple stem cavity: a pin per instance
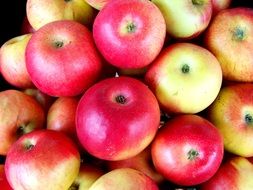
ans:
(74, 186)
(185, 68)
(249, 119)
(192, 154)
(197, 2)
(238, 34)
(58, 44)
(28, 145)
(23, 129)
(120, 99)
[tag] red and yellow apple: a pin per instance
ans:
(186, 78)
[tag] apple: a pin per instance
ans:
(19, 114)
(188, 150)
(42, 159)
(26, 27)
(185, 19)
(61, 116)
(235, 173)
(88, 174)
(186, 78)
(12, 61)
(124, 178)
(229, 38)
(40, 13)
(125, 35)
(97, 4)
(219, 5)
(43, 99)
(142, 162)
(232, 114)
(117, 118)
(62, 60)
(4, 184)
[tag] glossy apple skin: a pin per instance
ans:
(19, 114)
(97, 4)
(4, 184)
(186, 78)
(61, 116)
(124, 177)
(232, 114)
(117, 118)
(235, 173)
(228, 38)
(42, 159)
(12, 61)
(88, 174)
(62, 59)
(142, 162)
(219, 5)
(184, 19)
(188, 150)
(125, 35)
(40, 13)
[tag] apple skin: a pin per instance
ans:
(188, 150)
(88, 174)
(142, 162)
(62, 60)
(26, 27)
(12, 61)
(42, 159)
(124, 177)
(125, 35)
(40, 13)
(19, 114)
(97, 4)
(232, 114)
(219, 5)
(61, 116)
(228, 38)
(4, 184)
(117, 118)
(184, 68)
(185, 19)
(235, 173)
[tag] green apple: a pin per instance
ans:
(186, 78)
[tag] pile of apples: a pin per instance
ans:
(128, 95)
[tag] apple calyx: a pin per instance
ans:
(24, 128)
(74, 186)
(192, 154)
(58, 44)
(238, 34)
(131, 27)
(28, 145)
(120, 99)
(185, 68)
(197, 2)
(249, 119)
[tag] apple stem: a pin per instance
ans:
(249, 119)
(192, 154)
(120, 99)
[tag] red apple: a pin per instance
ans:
(61, 116)
(4, 184)
(124, 178)
(129, 34)
(117, 118)
(185, 19)
(186, 78)
(40, 13)
(88, 174)
(232, 114)
(188, 150)
(229, 38)
(234, 174)
(12, 61)
(42, 159)
(62, 59)
(19, 114)
(142, 162)
(219, 5)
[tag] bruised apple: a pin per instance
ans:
(117, 118)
